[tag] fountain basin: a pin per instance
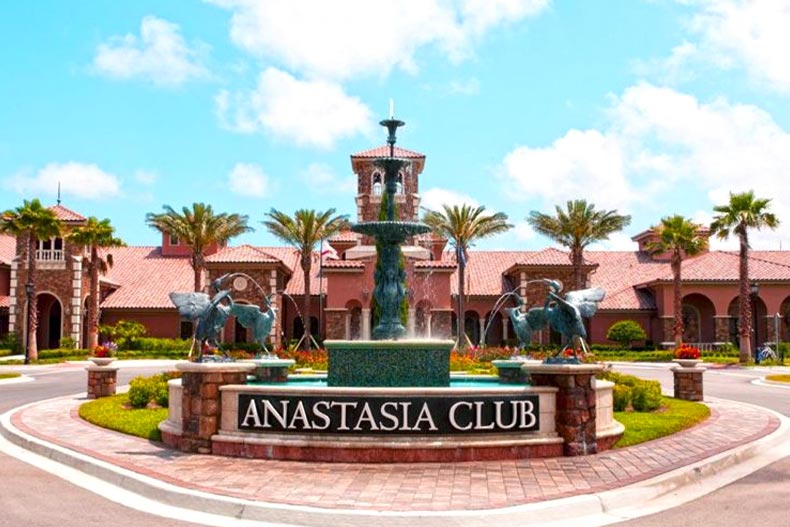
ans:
(403, 363)
(391, 231)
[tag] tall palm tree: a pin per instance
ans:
(463, 225)
(742, 213)
(93, 236)
(304, 230)
(33, 222)
(680, 237)
(199, 228)
(576, 227)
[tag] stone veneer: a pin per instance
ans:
(201, 405)
(102, 381)
(688, 383)
(576, 402)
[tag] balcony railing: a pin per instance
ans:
(49, 255)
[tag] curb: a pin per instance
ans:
(16, 380)
(645, 497)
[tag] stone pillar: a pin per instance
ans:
(428, 318)
(576, 402)
(336, 323)
(365, 323)
(482, 329)
(411, 322)
(101, 381)
(667, 329)
(346, 327)
(688, 383)
(721, 326)
(201, 404)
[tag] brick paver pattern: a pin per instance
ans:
(399, 487)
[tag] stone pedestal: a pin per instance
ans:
(101, 381)
(688, 383)
(271, 370)
(576, 402)
(201, 404)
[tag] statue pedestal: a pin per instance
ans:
(510, 371)
(688, 383)
(576, 402)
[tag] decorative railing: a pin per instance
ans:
(49, 255)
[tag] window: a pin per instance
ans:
(173, 239)
(377, 183)
(49, 250)
(399, 184)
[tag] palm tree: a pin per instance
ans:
(742, 213)
(304, 230)
(576, 227)
(462, 225)
(199, 228)
(680, 237)
(95, 235)
(33, 222)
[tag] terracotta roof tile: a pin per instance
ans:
(67, 215)
(384, 150)
(146, 278)
(5, 301)
(343, 264)
(723, 266)
(345, 236)
(242, 254)
(550, 256)
(618, 272)
(7, 249)
(484, 270)
(435, 264)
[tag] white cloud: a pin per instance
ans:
(467, 87)
(312, 113)
(80, 180)
(145, 177)
(340, 40)
(666, 152)
(319, 177)
(248, 179)
(434, 198)
(523, 231)
(159, 55)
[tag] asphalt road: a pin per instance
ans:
(30, 497)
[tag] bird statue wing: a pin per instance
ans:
(190, 305)
(537, 318)
(586, 300)
(246, 314)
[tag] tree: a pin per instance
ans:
(95, 235)
(680, 237)
(625, 332)
(462, 225)
(304, 231)
(198, 228)
(32, 222)
(576, 227)
(742, 213)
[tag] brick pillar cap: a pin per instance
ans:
(215, 367)
(563, 369)
(102, 368)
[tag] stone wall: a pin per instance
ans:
(102, 381)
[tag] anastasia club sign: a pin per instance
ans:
(445, 415)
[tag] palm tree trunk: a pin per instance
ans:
(32, 306)
(198, 263)
(93, 294)
(461, 319)
(677, 327)
(306, 269)
(577, 260)
(745, 308)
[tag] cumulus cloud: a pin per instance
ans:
(159, 55)
(248, 179)
(339, 40)
(320, 178)
(311, 113)
(663, 151)
(434, 198)
(80, 180)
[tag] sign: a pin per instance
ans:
(441, 415)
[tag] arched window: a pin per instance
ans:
(399, 187)
(377, 183)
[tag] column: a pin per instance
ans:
(505, 336)
(428, 318)
(365, 323)
(411, 323)
(482, 329)
(347, 326)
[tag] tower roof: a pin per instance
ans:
(67, 215)
(384, 151)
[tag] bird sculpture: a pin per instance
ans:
(251, 316)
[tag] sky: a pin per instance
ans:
(647, 107)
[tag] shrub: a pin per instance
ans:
(11, 342)
(144, 390)
(125, 333)
(646, 396)
(625, 332)
(621, 396)
(68, 343)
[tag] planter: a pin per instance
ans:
(101, 361)
(687, 363)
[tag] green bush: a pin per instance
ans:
(646, 396)
(144, 390)
(621, 395)
(625, 332)
(11, 342)
(160, 344)
(124, 333)
(68, 343)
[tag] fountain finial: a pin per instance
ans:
(392, 125)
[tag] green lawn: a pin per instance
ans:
(115, 413)
(9, 375)
(674, 415)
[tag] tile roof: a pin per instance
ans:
(7, 249)
(343, 264)
(344, 236)
(484, 271)
(618, 272)
(67, 215)
(435, 264)
(5, 301)
(723, 266)
(146, 278)
(550, 256)
(242, 254)
(384, 150)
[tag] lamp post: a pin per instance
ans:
(755, 290)
(29, 290)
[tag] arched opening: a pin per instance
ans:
(472, 326)
(376, 184)
(299, 327)
(493, 325)
(354, 314)
(50, 321)
(784, 320)
(758, 322)
(698, 322)
(422, 320)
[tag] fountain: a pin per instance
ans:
(389, 399)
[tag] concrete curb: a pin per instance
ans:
(667, 490)
(16, 380)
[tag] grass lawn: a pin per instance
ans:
(674, 415)
(9, 375)
(778, 378)
(115, 413)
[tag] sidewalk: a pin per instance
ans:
(315, 492)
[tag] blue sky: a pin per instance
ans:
(650, 107)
